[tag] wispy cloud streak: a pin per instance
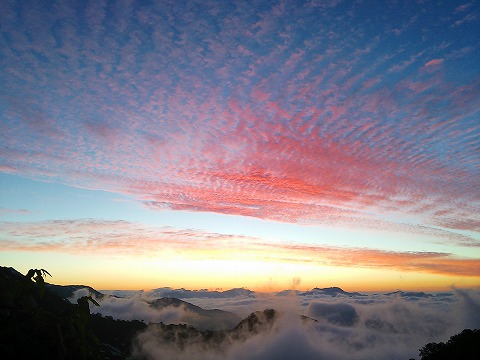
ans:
(121, 238)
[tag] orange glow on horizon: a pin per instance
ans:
(262, 277)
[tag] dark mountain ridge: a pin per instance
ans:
(42, 325)
(188, 294)
(214, 319)
(202, 319)
(68, 291)
(410, 294)
(330, 291)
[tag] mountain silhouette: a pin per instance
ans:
(409, 294)
(188, 294)
(68, 291)
(198, 317)
(330, 291)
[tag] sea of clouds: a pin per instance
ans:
(348, 325)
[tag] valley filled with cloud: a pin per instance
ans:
(323, 323)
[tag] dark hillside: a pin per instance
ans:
(198, 317)
(35, 323)
(464, 346)
(67, 291)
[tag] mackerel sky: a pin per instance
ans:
(339, 133)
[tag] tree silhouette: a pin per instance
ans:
(463, 346)
(36, 324)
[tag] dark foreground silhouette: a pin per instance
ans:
(463, 346)
(36, 323)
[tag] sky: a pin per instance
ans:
(260, 144)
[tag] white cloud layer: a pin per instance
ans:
(359, 327)
(347, 326)
(132, 308)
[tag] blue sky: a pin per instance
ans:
(338, 135)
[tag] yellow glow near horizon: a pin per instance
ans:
(125, 255)
(142, 273)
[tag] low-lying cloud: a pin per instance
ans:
(335, 324)
(141, 306)
(338, 314)
(374, 326)
(134, 308)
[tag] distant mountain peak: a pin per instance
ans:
(331, 291)
(257, 321)
(409, 294)
(68, 291)
(188, 294)
(198, 317)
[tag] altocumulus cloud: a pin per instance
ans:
(266, 109)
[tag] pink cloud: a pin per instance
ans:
(219, 117)
(434, 62)
(431, 262)
(125, 238)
